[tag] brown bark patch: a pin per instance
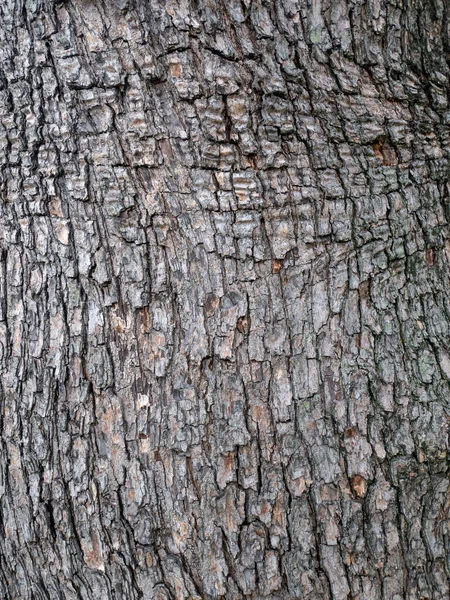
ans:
(252, 161)
(359, 486)
(385, 152)
(364, 290)
(211, 304)
(277, 266)
(350, 432)
(430, 256)
(243, 324)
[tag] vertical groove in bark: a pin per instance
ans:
(224, 299)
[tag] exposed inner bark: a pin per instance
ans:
(224, 299)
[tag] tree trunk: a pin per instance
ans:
(224, 299)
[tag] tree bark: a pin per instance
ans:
(224, 299)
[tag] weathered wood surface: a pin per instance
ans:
(224, 299)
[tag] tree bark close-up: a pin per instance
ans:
(224, 299)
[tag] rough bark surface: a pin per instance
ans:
(224, 299)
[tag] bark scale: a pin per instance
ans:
(224, 299)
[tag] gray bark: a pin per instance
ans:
(224, 299)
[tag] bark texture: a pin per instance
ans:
(224, 299)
